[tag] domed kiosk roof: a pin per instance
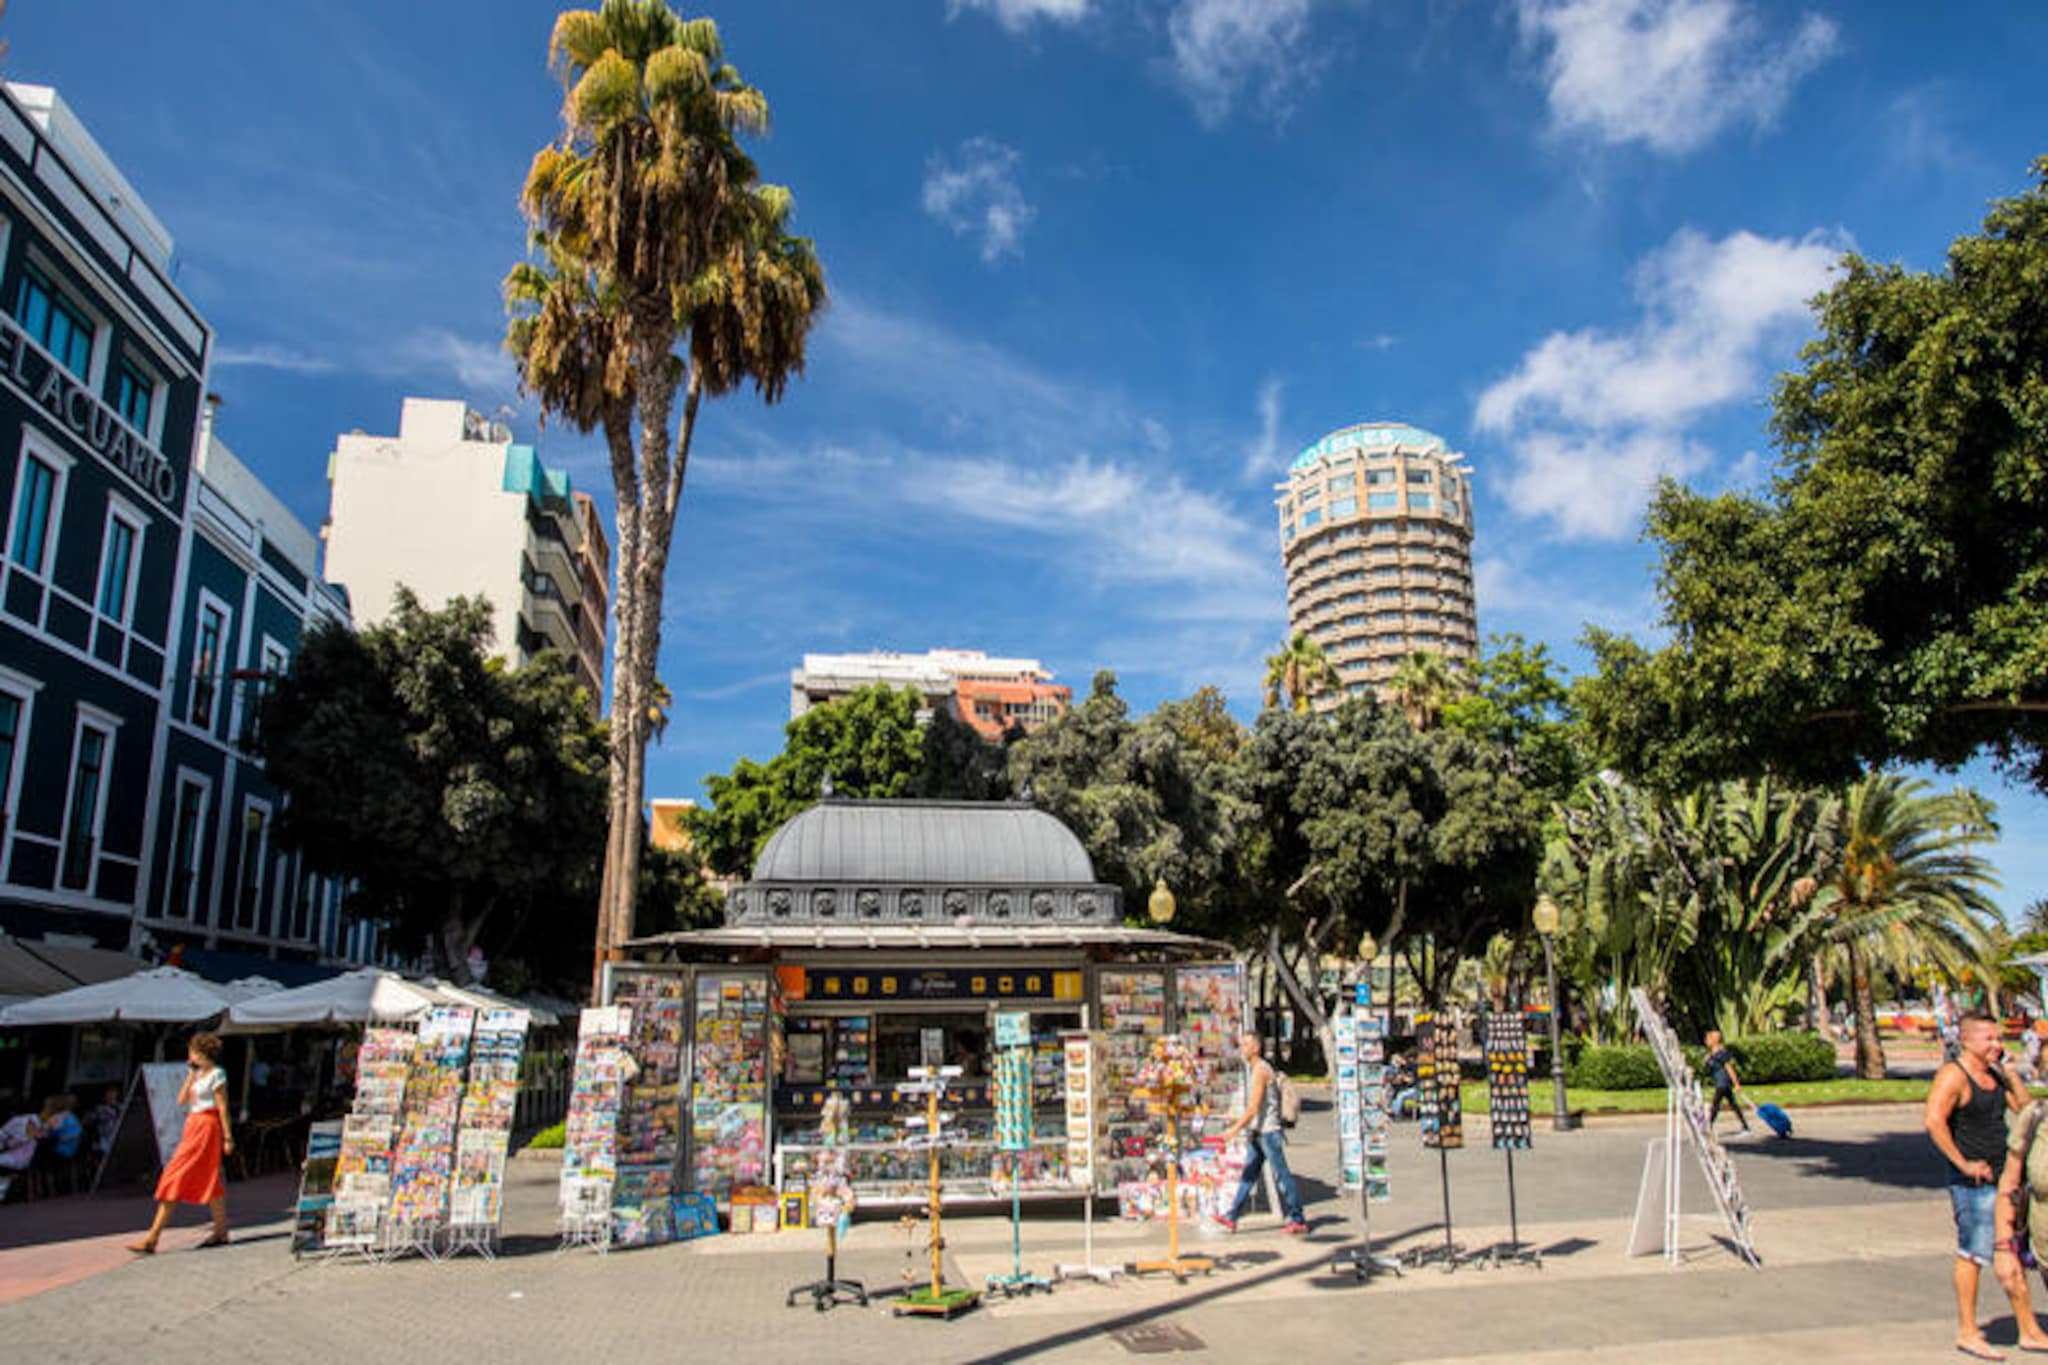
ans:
(933, 843)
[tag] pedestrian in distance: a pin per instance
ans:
(1268, 1140)
(2021, 1220)
(193, 1174)
(1720, 1068)
(1965, 1118)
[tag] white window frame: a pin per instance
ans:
(35, 445)
(220, 668)
(108, 725)
(193, 900)
(234, 924)
(119, 509)
(23, 689)
(34, 258)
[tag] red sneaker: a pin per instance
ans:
(1225, 1223)
(1295, 1229)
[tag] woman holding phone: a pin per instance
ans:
(193, 1175)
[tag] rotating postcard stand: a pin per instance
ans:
(1168, 1080)
(1084, 1145)
(1013, 1135)
(831, 1208)
(927, 1133)
(1362, 1131)
(1507, 1103)
(1443, 1127)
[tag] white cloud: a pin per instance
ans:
(1594, 418)
(268, 357)
(1017, 15)
(1670, 74)
(483, 368)
(1263, 457)
(975, 193)
(1219, 48)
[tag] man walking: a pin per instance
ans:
(1720, 1067)
(1268, 1140)
(1965, 1117)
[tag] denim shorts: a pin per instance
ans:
(1975, 1209)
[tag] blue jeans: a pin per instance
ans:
(1267, 1147)
(1974, 1206)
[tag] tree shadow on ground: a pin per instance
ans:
(1905, 1161)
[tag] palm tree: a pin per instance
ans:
(656, 236)
(1301, 671)
(1423, 684)
(1905, 890)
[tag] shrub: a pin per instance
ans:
(549, 1138)
(1613, 1068)
(1794, 1055)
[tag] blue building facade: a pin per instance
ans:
(149, 587)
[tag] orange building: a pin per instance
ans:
(993, 705)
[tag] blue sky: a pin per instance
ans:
(1099, 267)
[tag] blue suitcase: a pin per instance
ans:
(1776, 1119)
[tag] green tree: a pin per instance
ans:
(662, 267)
(459, 797)
(1300, 672)
(1424, 683)
(676, 892)
(2034, 919)
(1202, 721)
(1905, 891)
(1887, 599)
(1521, 701)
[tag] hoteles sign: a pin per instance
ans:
(39, 378)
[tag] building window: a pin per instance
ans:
(1420, 502)
(134, 395)
(1343, 483)
(1309, 494)
(82, 819)
(187, 835)
(1381, 502)
(1312, 517)
(206, 662)
(302, 907)
(117, 565)
(1343, 507)
(35, 512)
(53, 320)
(249, 878)
(12, 708)
(1420, 476)
(1375, 477)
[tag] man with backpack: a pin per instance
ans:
(1266, 1115)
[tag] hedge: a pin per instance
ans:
(549, 1138)
(1761, 1059)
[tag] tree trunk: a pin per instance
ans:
(1817, 996)
(625, 696)
(458, 935)
(1305, 1002)
(1870, 1064)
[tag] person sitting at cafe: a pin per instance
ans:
(65, 1132)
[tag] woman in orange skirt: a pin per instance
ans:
(193, 1175)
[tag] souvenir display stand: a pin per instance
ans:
(476, 1204)
(648, 1146)
(1685, 1124)
(1203, 1005)
(362, 1172)
(1507, 1105)
(423, 1165)
(1013, 1130)
(1443, 1124)
(590, 1133)
(830, 1201)
(1170, 1083)
(1082, 1052)
(1361, 1094)
(738, 1044)
(927, 1133)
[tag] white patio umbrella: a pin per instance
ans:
(366, 995)
(162, 995)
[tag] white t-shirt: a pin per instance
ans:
(207, 1087)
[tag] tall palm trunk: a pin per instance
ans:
(613, 885)
(1817, 995)
(1870, 1065)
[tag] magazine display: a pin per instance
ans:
(649, 1145)
(362, 1173)
(423, 1167)
(590, 1134)
(488, 1106)
(729, 1093)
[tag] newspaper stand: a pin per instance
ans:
(927, 1133)
(1685, 1124)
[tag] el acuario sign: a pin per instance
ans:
(54, 389)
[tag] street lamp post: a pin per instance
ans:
(1545, 917)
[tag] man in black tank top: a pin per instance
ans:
(1966, 1109)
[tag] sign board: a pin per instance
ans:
(316, 1187)
(1013, 1028)
(150, 1125)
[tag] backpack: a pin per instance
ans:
(1290, 1099)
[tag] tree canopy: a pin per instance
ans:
(1886, 599)
(460, 798)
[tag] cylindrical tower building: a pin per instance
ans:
(1376, 538)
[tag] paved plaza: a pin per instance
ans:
(1849, 1216)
